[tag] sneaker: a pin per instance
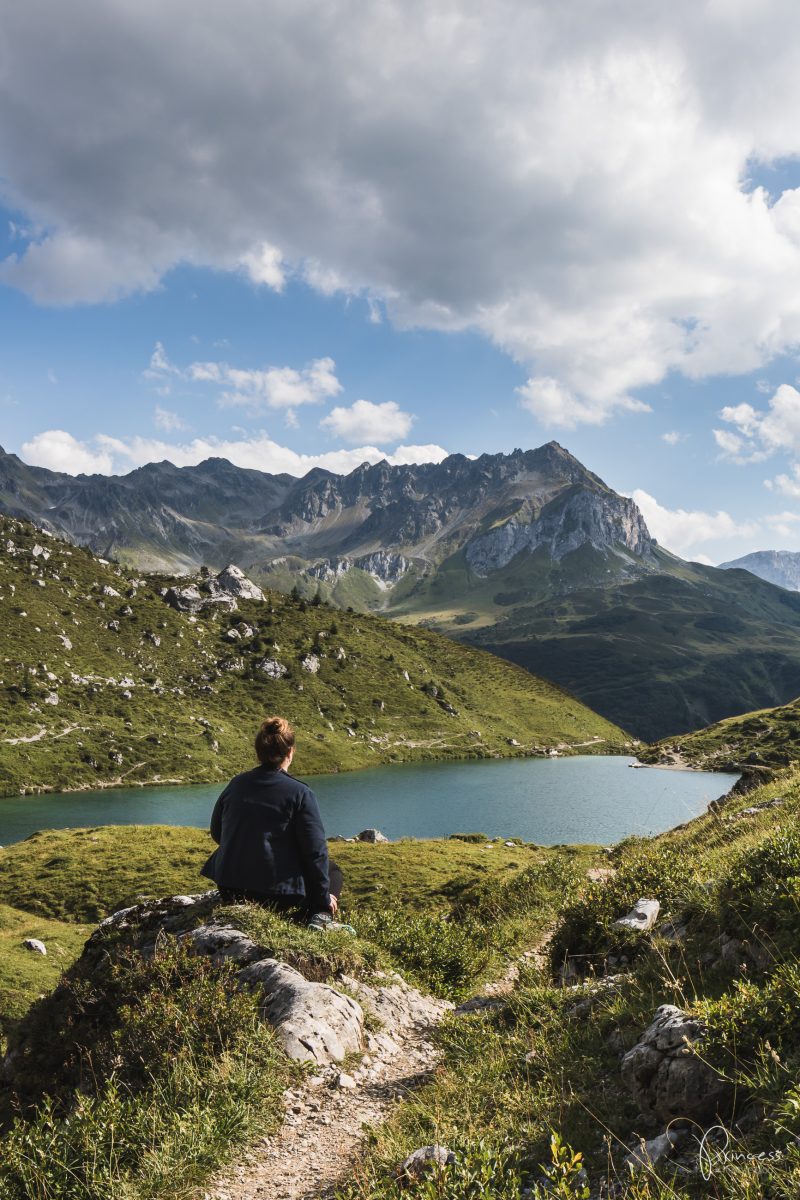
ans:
(324, 923)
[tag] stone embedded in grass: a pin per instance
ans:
(642, 916)
(648, 1153)
(222, 942)
(35, 946)
(668, 1081)
(424, 1159)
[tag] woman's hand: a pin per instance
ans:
(334, 906)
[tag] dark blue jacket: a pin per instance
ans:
(271, 839)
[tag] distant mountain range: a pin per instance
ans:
(528, 554)
(781, 567)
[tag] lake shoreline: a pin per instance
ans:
(575, 798)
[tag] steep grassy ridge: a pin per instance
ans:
(764, 740)
(104, 684)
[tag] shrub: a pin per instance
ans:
(584, 929)
(444, 956)
(163, 1068)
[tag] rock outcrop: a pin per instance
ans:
(234, 581)
(576, 517)
(313, 1021)
(320, 1022)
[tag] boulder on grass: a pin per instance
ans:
(372, 835)
(668, 1080)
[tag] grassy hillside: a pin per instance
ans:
(532, 1093)
(24, 974)
(765, 740)
(103, 684)
(659, 648)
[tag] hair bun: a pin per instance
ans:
(274, 741)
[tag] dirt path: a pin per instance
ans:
(328, 1117)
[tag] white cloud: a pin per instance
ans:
(673, 438)
(554, 404)
(264, 264)
(273, 387)
(569, 180)
(762, 432)
(680, 530)
(787, 485)
(168, 421)
(367, 422)
(60, 451)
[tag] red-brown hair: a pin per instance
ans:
(274, 740)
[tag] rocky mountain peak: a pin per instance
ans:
(493, 507)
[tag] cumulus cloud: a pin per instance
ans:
(787, 485)
(554, 404)
(755, 434)
(106, 455)
(571, 180)
(60, 451)
(673, 437)
(680, 530)
(367, 422)
(272, 387)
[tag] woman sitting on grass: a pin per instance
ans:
(272, 847)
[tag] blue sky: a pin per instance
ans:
(427, 232)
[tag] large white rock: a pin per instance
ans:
(372, 835)
(234, 581)
(272, 668)
(642, 916)
(312, 1020)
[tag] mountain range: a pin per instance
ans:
(528, 554)
(781, 567)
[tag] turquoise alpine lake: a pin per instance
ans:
(583, 799)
